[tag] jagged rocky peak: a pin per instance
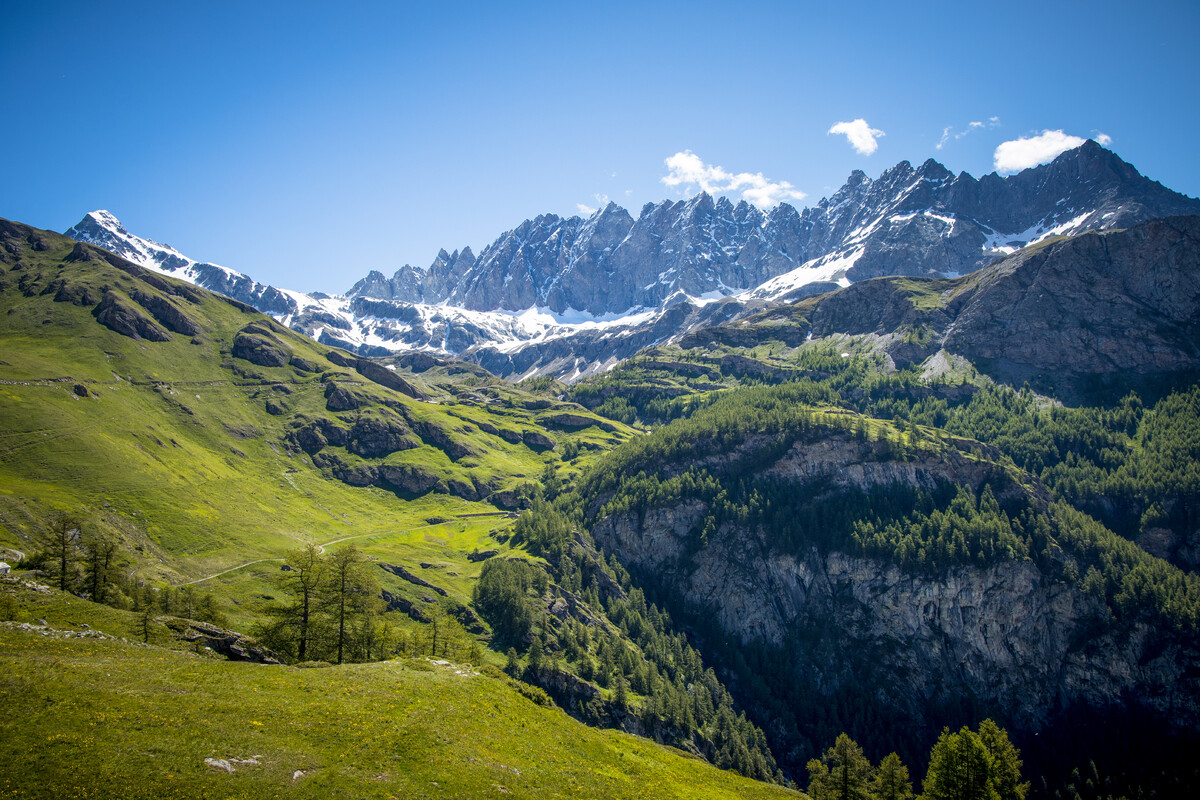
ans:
(915, 221)
(376, 284)
(100, 222)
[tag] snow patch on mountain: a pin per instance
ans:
(1011, 242)
(826, 269)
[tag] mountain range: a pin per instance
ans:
(571, 297)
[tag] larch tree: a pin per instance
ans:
(1006, 762)
(891, 780)
(303, 574)
(60, 544)
(841, 773)
(348, 590)
(99, 552)
(960, 768)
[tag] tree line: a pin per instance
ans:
(964, 765)
(85, 561)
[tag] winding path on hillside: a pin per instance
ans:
(320, 547)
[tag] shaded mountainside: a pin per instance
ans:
(1097, 313)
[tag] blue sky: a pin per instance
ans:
(305, 143)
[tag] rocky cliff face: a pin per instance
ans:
(1104, 312)
(1133, 306)
(1008, 636)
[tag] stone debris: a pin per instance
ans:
(44, 629)
(219, 763)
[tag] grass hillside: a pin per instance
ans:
(203, 441)
(91, 716)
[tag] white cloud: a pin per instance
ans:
(687, 170)
(861, 135)
(587, 211)
(948, 132)
(1103, 139)
(1019, 154)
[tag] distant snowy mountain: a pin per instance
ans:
(573, 296)
(103, 229)
(357, 323)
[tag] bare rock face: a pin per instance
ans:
(409, 479)
(167, 313)
(372, 437)
(538, 440)
(340, 398)
(230, 644)
(124, 318)
(258, 345)
(385, 377)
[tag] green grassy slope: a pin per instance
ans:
(187, 451)
(92, 717)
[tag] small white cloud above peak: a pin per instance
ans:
(861, 135)
(949, 133)
(687, 171)
(1018, 154)
(601, 202)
